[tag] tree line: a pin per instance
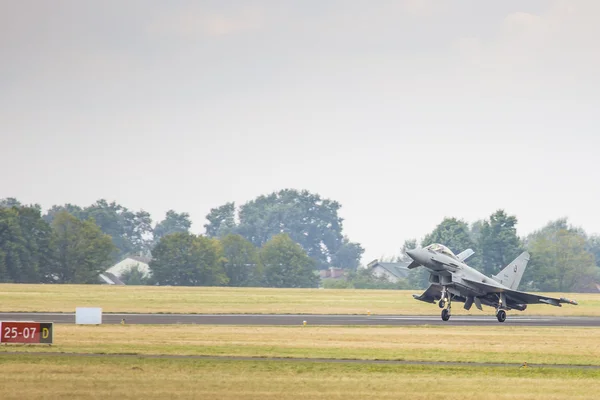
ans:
(276, 240)
(184, 259)
(68, 250)
(282, 238)
(74, 250)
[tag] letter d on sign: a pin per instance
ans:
(46, 329)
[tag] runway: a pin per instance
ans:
(312, 319)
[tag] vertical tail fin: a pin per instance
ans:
(511, 275)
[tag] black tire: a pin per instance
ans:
(441, 304)
(501, 316)
(445, 315)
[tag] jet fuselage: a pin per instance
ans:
(449, 272)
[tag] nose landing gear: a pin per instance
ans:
(446, 312)
(501, 315)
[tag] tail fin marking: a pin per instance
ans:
(511, 275)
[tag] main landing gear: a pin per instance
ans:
(500, 313)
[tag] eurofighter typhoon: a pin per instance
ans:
(451, 279)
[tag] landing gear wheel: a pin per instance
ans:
(501, 315)
(445, 314)
(442, 304)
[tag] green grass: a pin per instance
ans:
(25, 377)
(65, 298)
(498, 344)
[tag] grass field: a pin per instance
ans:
(25, 377)
(151, 299)
(499, 344)
(29, 375)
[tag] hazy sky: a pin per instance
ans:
(403, 111)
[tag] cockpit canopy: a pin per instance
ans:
(440, 248)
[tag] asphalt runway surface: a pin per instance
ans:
(313, 319)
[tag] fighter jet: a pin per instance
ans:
(451, 279)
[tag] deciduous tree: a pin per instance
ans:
(498, 242)
(13, 250)
(559, 259)
(348, 255)
(593, 246)
(9, 202)
(131, 232)
(241, 261)
(184, 259)
(173, 222)
(25, 244)
(308, 219)
(221, 220)
(286, 264)
(82, 250)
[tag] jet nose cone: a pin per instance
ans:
(411, 253)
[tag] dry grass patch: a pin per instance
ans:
(101, 378)
(153, 299)
(543, 345)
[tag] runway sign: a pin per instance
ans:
(26, 332)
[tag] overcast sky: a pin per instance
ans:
(403, 111)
